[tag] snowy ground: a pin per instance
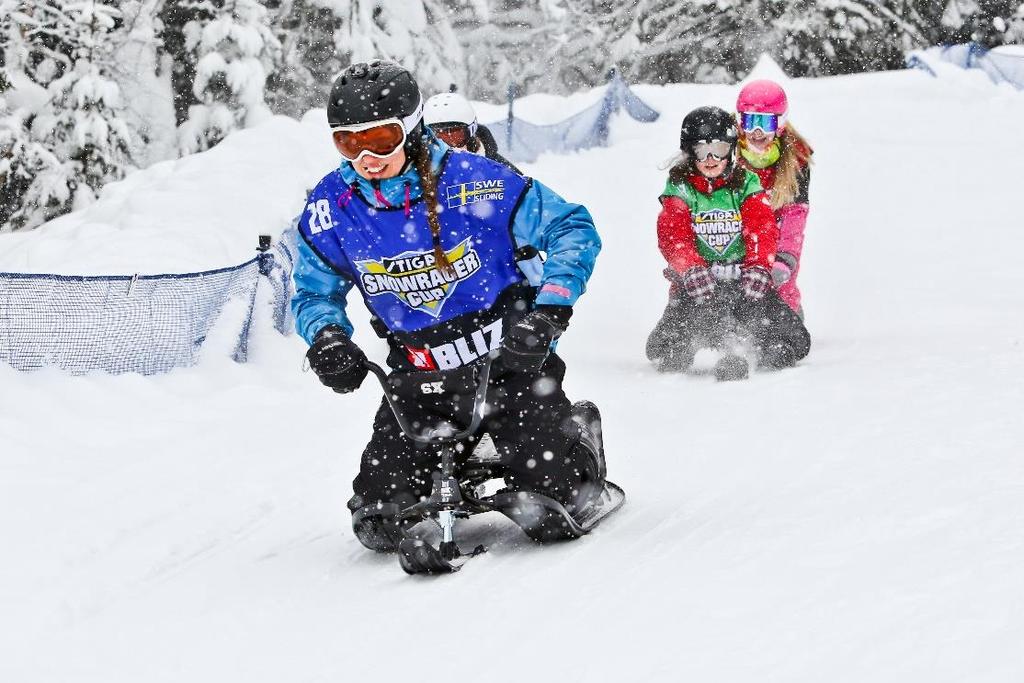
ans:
(858, 518)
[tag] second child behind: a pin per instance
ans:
(772, 148)
(452, 119)
(717, 232)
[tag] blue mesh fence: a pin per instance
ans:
(278, 269)
(146, 324)
(1000, 67)
(521, 140)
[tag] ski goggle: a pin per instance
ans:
(376, 138)
(453, 135)
(752, 120)
(717, 149)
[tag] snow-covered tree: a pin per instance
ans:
(988, 22)
(18, 152)
(234, 52)
(415, 33)
(84, 122)
(1015, 26)
(34, 184)
(707, 41)
(845, 36)
(619, 34)
(37, 35)
(310, 56)
(521, 42)
(174, 16)
(143, 74)
(61, 147)
(585, 39)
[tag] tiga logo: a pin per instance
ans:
(414, 279)
(478, 191)
(718, 228)
(462, 351)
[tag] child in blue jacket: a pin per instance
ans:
(444, 248)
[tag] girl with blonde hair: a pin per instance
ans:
(772, 148)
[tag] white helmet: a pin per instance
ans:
(450, 107)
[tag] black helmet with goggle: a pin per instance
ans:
(374, 108)
(709, 131)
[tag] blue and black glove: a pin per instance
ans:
(528, 343)
(336, 360)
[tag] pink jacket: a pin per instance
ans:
(792, 219)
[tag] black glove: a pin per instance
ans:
(527, 344)
(336, 360)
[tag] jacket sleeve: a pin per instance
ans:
(320, 293)
(676, 238)
(792, 219)
(566, 233)
(760, 231)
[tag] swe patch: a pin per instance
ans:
(477, 191)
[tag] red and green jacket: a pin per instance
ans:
(704, 221)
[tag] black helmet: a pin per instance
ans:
(707, 123)
(373, 91)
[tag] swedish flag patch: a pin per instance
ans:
(477, 191)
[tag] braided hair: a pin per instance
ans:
(421, 158)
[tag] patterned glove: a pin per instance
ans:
(527, 344)
(698, 283)
(781, 273)
(755, 282)
(336, 360)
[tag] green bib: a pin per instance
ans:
(716, 217)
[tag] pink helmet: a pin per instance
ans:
(765, 97)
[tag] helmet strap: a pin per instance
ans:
(414, 141)
(415, 119)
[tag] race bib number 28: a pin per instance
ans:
(319, 216)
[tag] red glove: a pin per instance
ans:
(698, 283)
(755, 282)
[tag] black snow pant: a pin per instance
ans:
(778, 334)
(529, 419)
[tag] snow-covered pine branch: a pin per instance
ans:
(234, 51)
(63, 145)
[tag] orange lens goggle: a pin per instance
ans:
(454, 136)
(379, 141)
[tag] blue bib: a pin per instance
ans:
(390, 256)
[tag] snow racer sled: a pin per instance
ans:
(766, 333)
(723, 332)
(460, 487)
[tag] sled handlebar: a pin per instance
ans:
(427, 384)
